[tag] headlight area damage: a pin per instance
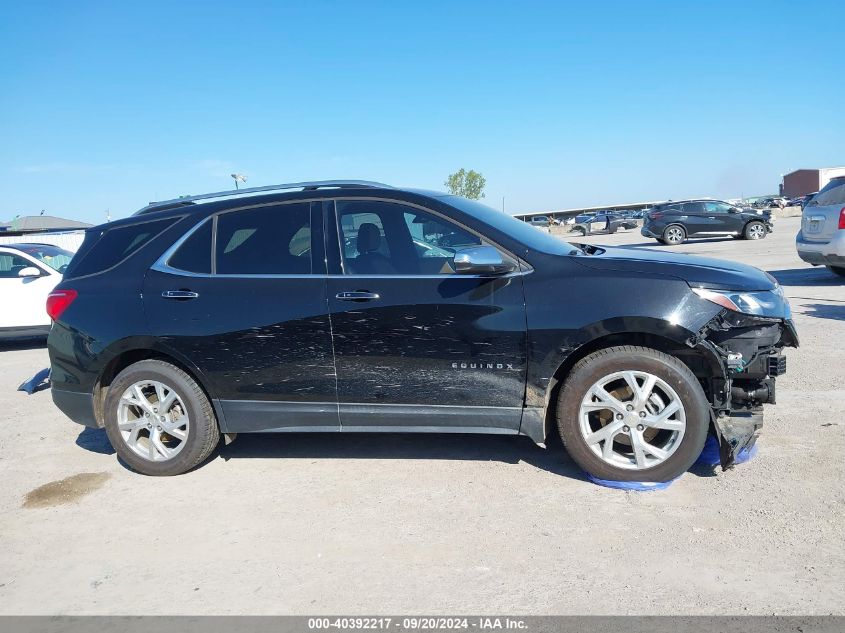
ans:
(748, 351)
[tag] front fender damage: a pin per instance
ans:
(745, 356)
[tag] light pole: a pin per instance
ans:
(238, 178)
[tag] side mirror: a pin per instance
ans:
(480, 260)
(29, 271)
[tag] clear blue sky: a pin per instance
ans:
(107, 105)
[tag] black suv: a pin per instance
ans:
(673, 222)
(354, 306)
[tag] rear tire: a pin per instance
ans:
(674, 234)
(159, 420)
(837, 270)
(677, 440)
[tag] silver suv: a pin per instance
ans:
(821, 240)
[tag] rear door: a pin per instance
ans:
(820, 218)
(694, 218)
(243, 298)
(417, 346)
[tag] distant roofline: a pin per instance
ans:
(795, 171)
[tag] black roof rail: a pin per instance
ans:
(305, 186)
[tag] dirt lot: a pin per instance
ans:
(432, 524)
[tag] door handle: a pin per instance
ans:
(711, 217)
(179, 294)
(357, 295)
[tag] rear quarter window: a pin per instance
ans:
(115, 245)
(832, 194)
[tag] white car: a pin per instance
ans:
(28, 273)
(821, 240)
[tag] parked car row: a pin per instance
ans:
(601, 223)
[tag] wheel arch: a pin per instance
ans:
(129, 354)
(700, 360)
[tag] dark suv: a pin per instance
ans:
(673, 222)
(354, 306)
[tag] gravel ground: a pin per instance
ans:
(307, 524)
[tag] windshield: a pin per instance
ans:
(517, 229)
(53, 256)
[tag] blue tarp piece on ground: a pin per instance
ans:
(39, 381)
(710, 455)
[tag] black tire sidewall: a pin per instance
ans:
(675, 226)
(747, 231)
(669, 369)
(201, 430)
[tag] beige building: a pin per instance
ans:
(803, 181)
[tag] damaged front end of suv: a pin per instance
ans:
(745, 340)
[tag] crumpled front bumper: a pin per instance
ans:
(747, 353)
(736, 433)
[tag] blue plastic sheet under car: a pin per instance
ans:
(709, 457)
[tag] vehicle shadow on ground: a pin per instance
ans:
(809, 276)
(823, 311)
(510, 449)
(95, 440)
(23, 344)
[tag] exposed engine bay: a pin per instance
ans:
(750, 357)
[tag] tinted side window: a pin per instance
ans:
(265, 241)
(115, 245)
(717, 207)
(195, 253)
(693, 207)
(11, 265)
(394, 239)
(832, 193)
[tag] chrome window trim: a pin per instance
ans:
(161, 264)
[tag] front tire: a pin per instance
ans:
(674, 235)
(159, 420)
(632, 414)
(754, 231)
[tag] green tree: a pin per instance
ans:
(469, 184)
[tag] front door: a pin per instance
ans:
(721, 220)
(417, 346)
(251, 314)
(23, 297)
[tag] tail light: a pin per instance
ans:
(655, 215)
(58, 301)
(842, 218)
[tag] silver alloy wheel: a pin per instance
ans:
(674, 235)
(632, 420)
(755, 231)
(153, 420)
